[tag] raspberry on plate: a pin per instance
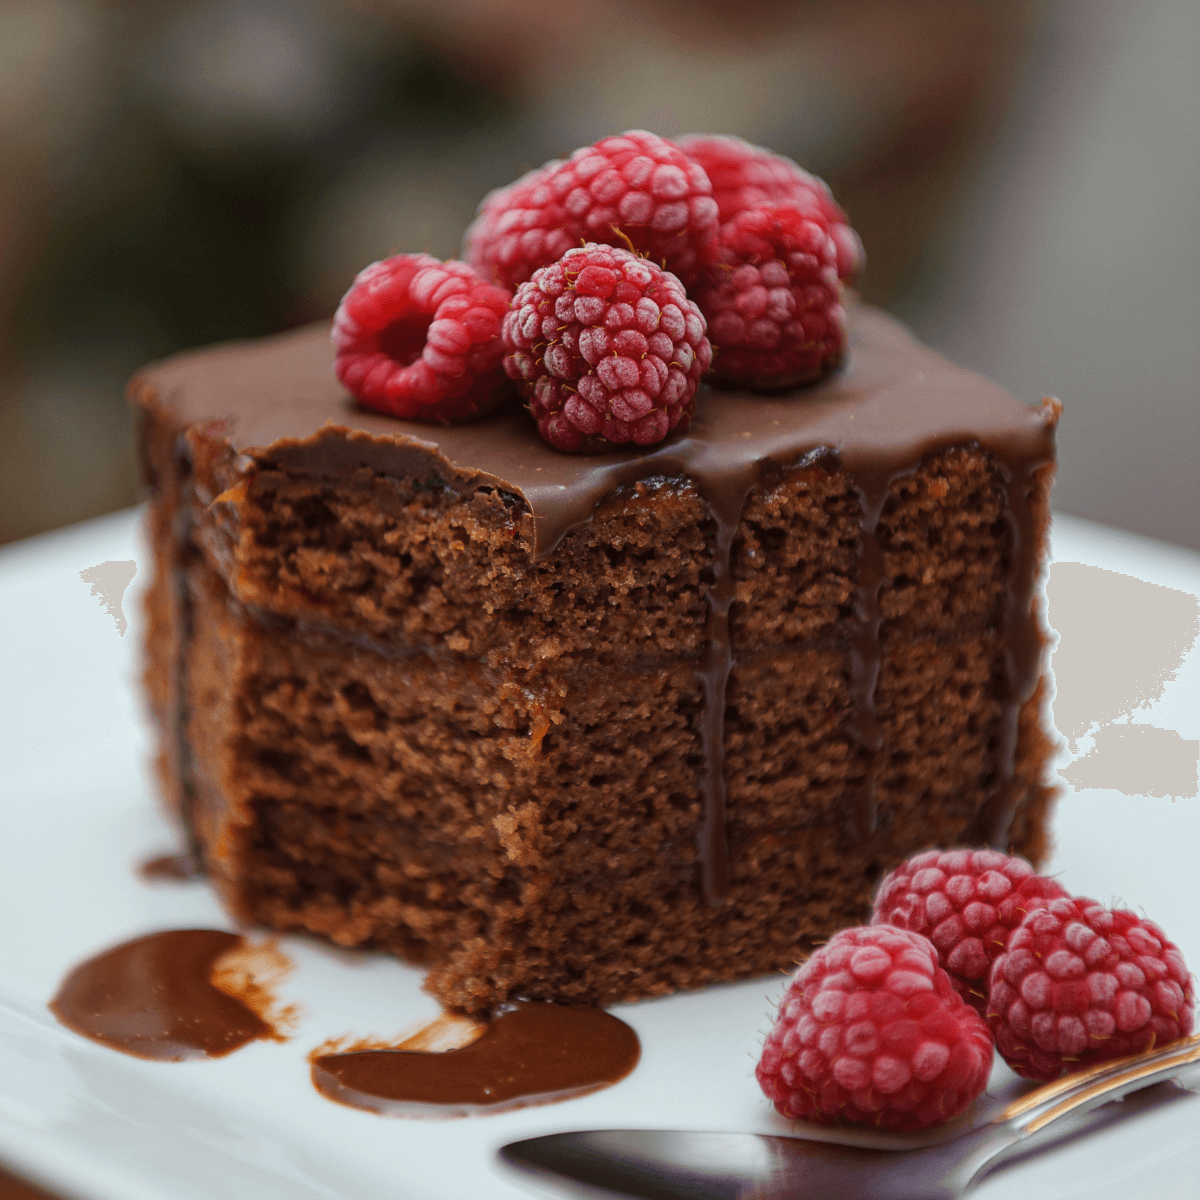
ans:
(420, 339)
(773, 300)
(967, 902)
(1080, 984)
(635, 190)
(871, 1031)
(607, 349)
(744, 176)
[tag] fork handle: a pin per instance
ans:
(1098, 1085)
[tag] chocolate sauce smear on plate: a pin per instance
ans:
(894, 402)
(533, 1054)
(171, 868)
(154, 998)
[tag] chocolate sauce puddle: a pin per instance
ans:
(532, 1054)
(893, 403)
(153, 998)
(171, 868)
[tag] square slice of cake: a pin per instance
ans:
(592, 728)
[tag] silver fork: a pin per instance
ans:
(648, 1164)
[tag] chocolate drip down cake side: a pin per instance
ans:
(592, 728)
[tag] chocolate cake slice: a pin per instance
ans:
(592, 728)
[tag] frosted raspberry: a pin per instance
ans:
(420, 339)
(607, 349)
(773, 300)
(636, 190)
(967, 902)
(1081, 983)
(744, 176)
(871, 1031)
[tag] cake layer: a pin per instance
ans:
(415, 567)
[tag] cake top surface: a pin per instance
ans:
(277, 400)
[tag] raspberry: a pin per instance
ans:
(635, 190)
(773, 300)
(420, 339)
(967, 903)
(607, 348)
(744, 176)
(871, 1031)
(1080, 984)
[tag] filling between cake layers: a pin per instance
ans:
(472, 728)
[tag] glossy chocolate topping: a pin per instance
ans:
(533, 1054)
(153, 998)
(894, 402)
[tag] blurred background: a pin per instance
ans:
(1025, 176)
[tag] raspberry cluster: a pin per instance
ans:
(729, 237)
(1062, 982)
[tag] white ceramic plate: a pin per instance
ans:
(79, 813)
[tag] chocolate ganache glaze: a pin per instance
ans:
(894, 402)
(154, 998)
(532, 1054)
